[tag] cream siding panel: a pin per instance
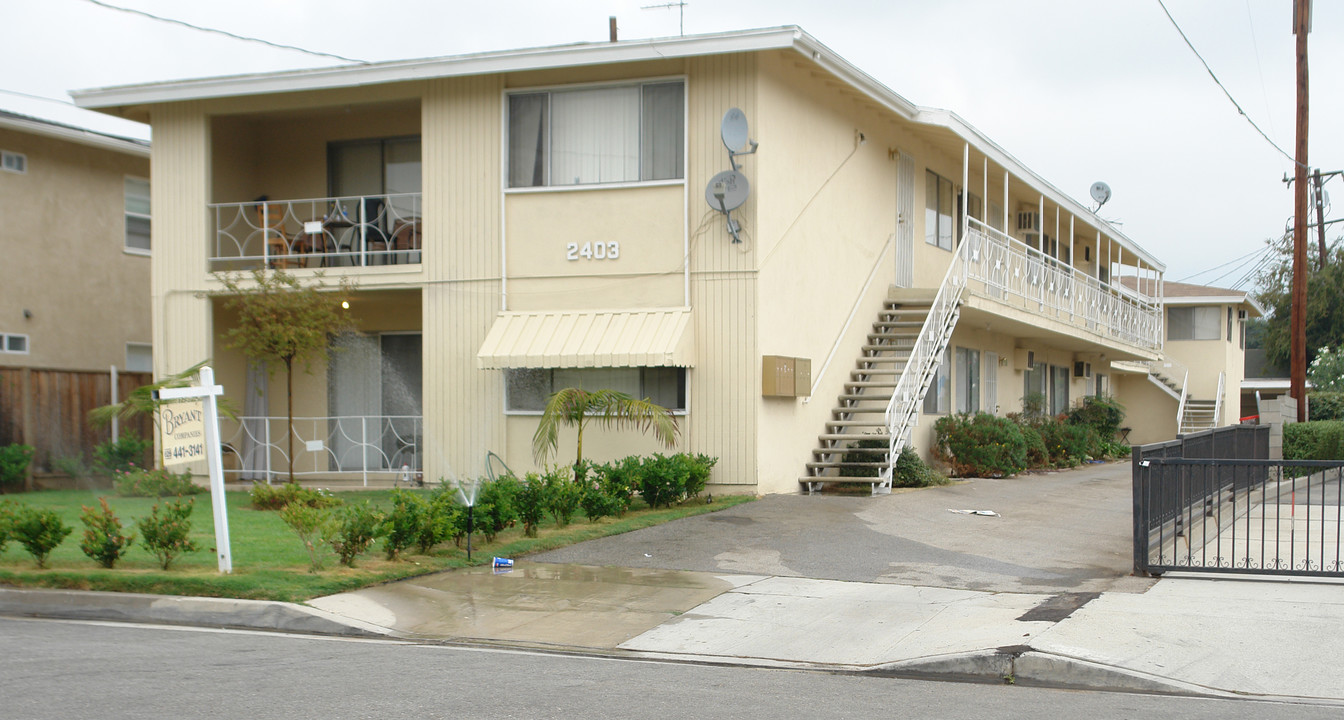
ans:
(179, 232)
(724, 386)
(463, 405)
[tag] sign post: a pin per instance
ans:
(188, 432)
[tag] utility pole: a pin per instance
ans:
(1298, 350)
(1320, 216)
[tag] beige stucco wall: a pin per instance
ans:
(1150, 413)
(1205, 359)
(64, 243)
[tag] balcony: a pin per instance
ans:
(1007, 270)
(350, 231)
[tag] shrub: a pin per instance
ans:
(1115, 449)
(1067, 444)
(863, 457)
(401, 526)
(14, 461)
(659, 481)
(1037, 454)
(617, 480)
(980, 445)
(530, 502)
(39, 532)
(912, 472)
(277, 497)
(124, 453)
(1326, 371)
(1325, 405)
(73, 467)
(167, 533)
(597, 504)
(157, 482)
(698, 468)
(311, 525)
(495, 509)
(1320, 440)
(562, 495)
(8, 514)
(103, 541)
(1101, 413)
(441, 518)
(353, 531)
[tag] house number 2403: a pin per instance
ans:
(593, 251)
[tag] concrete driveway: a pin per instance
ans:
(1057, 532)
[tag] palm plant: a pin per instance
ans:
(610, 408)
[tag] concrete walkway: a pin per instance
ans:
(1039, 595)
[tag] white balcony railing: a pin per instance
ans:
(353, 446)
(353, 231)
(1001, 267)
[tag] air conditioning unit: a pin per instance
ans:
(1029, 220)
(1082, 369)
(1023, 359)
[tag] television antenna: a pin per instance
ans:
(729, 189)
(681, 11)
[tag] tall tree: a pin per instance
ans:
(610, 408)
(280, 318)
(1325, 303)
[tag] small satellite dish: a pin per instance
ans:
(727, 191)
(1101, 192)
(734, 130)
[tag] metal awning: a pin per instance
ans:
(589, 338)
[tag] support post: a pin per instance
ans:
(1298, 346)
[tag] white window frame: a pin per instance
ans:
(504, 135)
(126, 247)
(509, 410)
(4, 344)
(139, 345)
(8, 160)
(1209, 311)
(936, 238)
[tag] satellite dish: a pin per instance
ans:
(1101, 192)
(727, 191)
(734, 130)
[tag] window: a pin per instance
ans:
(13, 162)
(137, 214)
(936, 400)
(1103, 388)
(1035, 390)
(1059, 389)
(991, 381)
(995, 216)
(139, 357)
(380, 166)
(1229, 324)
(939, 202)
(12, 343)
(1193, 323)
(528, 389)
(627, 133)
(968, 380)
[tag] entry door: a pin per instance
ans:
(374, 395)
(905, 220)
(401, 400)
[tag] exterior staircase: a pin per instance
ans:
(855, 445)
(1199, 415)
(1191, 415)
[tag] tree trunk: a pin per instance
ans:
(289, 410)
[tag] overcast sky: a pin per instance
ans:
(1079, 90)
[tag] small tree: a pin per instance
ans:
(576, 406)
(280, 318)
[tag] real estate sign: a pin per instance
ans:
(182, 432)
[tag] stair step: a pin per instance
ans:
(898, 348)
(878, 453)
(875, 397)
(840, 479)
(870, 384)
(835, 464)
(875, 371)
(853, 436)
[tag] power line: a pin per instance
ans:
(1220, 85)
(1219, 267)
(225, 33)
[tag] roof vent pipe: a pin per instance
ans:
(611, 22)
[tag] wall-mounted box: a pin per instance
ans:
(1023, 359)
(785, 376)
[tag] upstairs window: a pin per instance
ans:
(939, 208)
(13, 162)
(1193, 323)
(616, 134)
(137, 214)
(14, 343)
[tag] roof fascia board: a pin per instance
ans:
(1217, 300)
(411, 70)
(823, 56)
(951, 121)
(74, 135)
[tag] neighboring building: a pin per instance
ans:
(76, 239)
(1200, 381)
(520, 221)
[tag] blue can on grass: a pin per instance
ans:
(503, 562)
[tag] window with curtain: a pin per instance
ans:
(137, 214)
(939, 203)
(611, 134)
(968, 380)
(1059, 389)
(528, 389)
(1193, 323)
(1035, 389)
(938, 399)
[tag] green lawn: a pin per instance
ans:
(269, 562)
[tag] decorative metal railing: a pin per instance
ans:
(351, 446)
(1004, 268)
(925, 354)
(354, 231)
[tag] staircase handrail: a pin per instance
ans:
(1218, 400)
(924, 354)
(1180, 409)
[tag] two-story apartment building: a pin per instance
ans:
(521, 221)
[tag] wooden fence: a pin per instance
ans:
(49, 409)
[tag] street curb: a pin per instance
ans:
(182, 610)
